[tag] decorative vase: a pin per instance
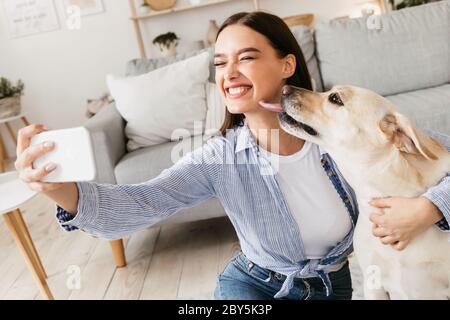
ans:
(212, 32)
(9, 107)
(144, 9)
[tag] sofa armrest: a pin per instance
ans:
(108, 141)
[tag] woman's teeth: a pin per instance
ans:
(237, 91)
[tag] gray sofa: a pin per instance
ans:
(406, 59)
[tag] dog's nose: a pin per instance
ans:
(287, 90)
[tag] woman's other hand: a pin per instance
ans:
(402, 219)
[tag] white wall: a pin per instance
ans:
(193, 25)
(63, 68)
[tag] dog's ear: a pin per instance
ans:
(405, 136)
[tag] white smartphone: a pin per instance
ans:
(73, 155)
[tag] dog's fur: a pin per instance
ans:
(380, 153)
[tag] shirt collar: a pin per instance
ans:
(245, 139)
(322, 151)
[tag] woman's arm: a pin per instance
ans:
(114, 211)
(439, 195)
(65, 197)
(410, 216)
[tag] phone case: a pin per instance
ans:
(73, 155)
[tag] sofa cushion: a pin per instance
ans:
(428, 108)
(410, 50)
(215, 114)
(137, 67)
(146, 163)
(163, 104)
(305, 38)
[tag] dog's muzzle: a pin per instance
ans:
(289, 99)
(284, 117)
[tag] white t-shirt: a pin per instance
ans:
(315, 204)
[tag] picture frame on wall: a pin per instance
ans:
(27, 17)
(87, 7)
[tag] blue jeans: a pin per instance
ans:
(244, 280)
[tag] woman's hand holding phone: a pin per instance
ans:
(26, 155)
(64, 194)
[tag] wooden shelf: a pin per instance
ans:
(137, 18)
(179, 9)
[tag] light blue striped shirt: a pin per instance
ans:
(231, 169)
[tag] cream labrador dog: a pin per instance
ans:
(380, 153)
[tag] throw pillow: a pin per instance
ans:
(161, 101)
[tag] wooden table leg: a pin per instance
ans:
(3, 155)
(24, 231)
(25, 121)
(11, 132)
(23, 245)
(118, 252)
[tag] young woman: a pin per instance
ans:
(295, 224)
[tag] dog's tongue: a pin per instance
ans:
(274, 107)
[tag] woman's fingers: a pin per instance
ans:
(394, 242)
(400, 245)
(25, 134)
(26, 158)
(35, 175)
(389, 240)
(378, 231)
(381, 230)
(378, 218)
(26, 154)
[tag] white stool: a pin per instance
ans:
(13, 194)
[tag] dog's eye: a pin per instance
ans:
(334, 98)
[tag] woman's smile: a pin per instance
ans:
(237, 92)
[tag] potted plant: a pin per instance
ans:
(144, 8)
(167, 44)
(10, 98)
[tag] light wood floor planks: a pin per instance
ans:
(169, 262)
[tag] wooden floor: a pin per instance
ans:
(170, 262)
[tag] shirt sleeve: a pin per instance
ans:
(440, 194)
(114, 211)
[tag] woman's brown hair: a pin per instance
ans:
(281, 39)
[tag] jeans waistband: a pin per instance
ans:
(242, 259)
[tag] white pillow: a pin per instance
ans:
(156, 103)
(216, 110)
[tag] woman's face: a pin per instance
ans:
(248, 69)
